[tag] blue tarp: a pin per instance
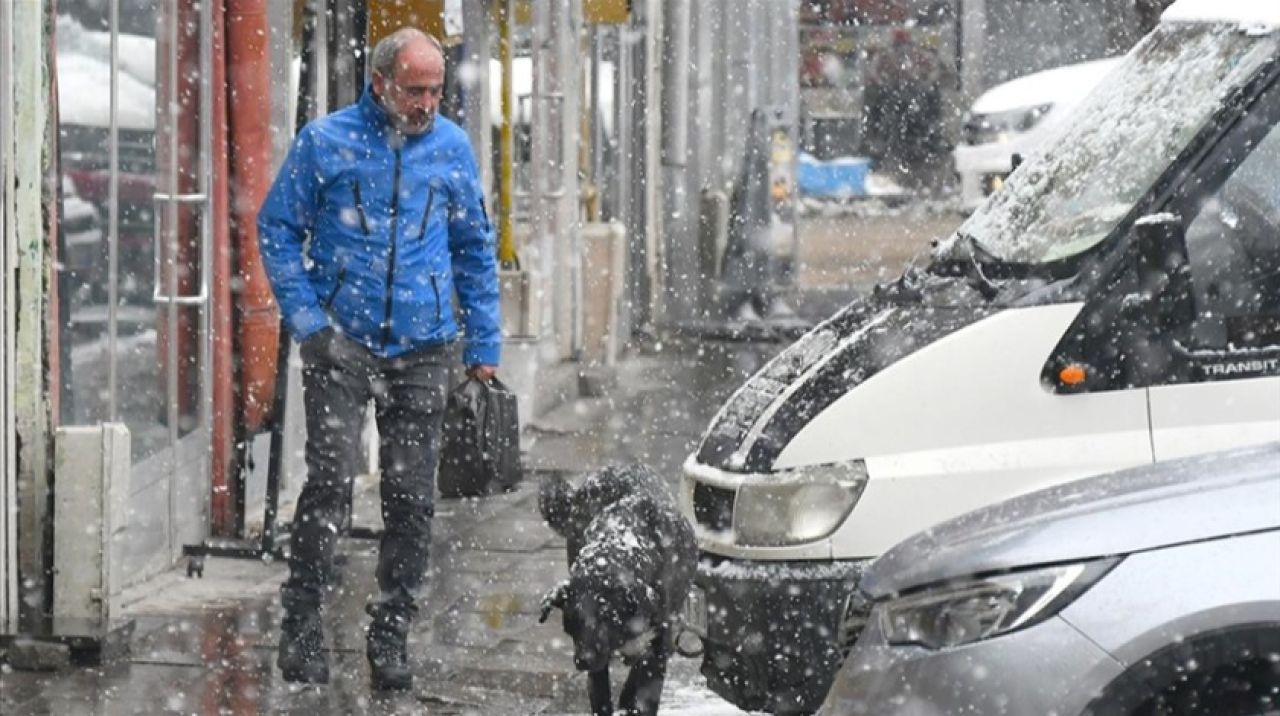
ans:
(841, 178)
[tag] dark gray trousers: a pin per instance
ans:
(339, 377)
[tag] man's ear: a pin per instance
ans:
(554, 599)
(379, 84)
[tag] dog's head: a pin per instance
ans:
(555, 497)
(603, 617)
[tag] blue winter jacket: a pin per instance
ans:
(373, 239)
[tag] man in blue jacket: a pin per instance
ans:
(374, 221)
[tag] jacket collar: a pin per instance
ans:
(372, 109)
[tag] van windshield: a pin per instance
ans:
(1067, 198)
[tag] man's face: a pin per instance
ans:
(411, 94)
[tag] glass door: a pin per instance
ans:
(133, 85)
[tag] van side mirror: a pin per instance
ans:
(1015, 161)
(1164, 272)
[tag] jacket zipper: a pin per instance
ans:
(426, 215)
(364, 223)
(391, 259)
(435, 288)
(337, 286)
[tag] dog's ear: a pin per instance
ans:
(555, 500)
(554, 599)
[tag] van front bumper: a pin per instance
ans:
(776, 632)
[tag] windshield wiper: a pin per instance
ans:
(967, 257)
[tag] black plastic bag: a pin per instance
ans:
(480, 452)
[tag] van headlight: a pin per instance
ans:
(797, 506)
(968, 611)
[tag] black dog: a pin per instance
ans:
(631, 563)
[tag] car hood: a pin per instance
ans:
(1155, 506)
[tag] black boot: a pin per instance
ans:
(387, 650)
(302, 658)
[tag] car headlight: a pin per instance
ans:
(964, 612)
(799, 505)
(1001, 126)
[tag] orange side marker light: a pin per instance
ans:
(1073, 374)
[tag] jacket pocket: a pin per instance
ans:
(426, 216)
(355, 190)
(337, 286)
(435, 289)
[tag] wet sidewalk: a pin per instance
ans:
(207, 645)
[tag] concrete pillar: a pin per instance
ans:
(633, 120)
(557, 65)
(973, 47)
(677, 244)
(653, 224)
(345, 69)
(476, 28)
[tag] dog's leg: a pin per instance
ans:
(643, 689)
(598, 691)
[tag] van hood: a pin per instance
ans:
(1068, 85)
(1191, 500)
(871, 333)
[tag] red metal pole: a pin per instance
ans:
(249, 125)
(223, 485)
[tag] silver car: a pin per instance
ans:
(1148, 591)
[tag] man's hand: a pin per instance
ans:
(317, 341)
(482, 373)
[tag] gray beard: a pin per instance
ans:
(398, 125)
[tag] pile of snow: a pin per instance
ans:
(84, 95)
(136, 53)
(84, 78)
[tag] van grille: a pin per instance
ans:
(713, 507)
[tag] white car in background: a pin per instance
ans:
(1015, 118)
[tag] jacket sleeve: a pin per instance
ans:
(285, 219)
(475, 264)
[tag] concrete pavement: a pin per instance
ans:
(207, 645)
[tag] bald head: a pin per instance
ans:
(388, 49)
(408, 78)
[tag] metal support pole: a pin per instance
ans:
(595, 165)
(206, 237)
(113, 215)
(555, 131)
(506, 185)
(171, 283)
(540, 155)
(9, 603)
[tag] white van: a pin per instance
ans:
(1018, 117)
(1118, 303)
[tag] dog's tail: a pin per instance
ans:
(554, 501)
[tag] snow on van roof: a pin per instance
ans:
(1246, 12)
(1068, 84)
